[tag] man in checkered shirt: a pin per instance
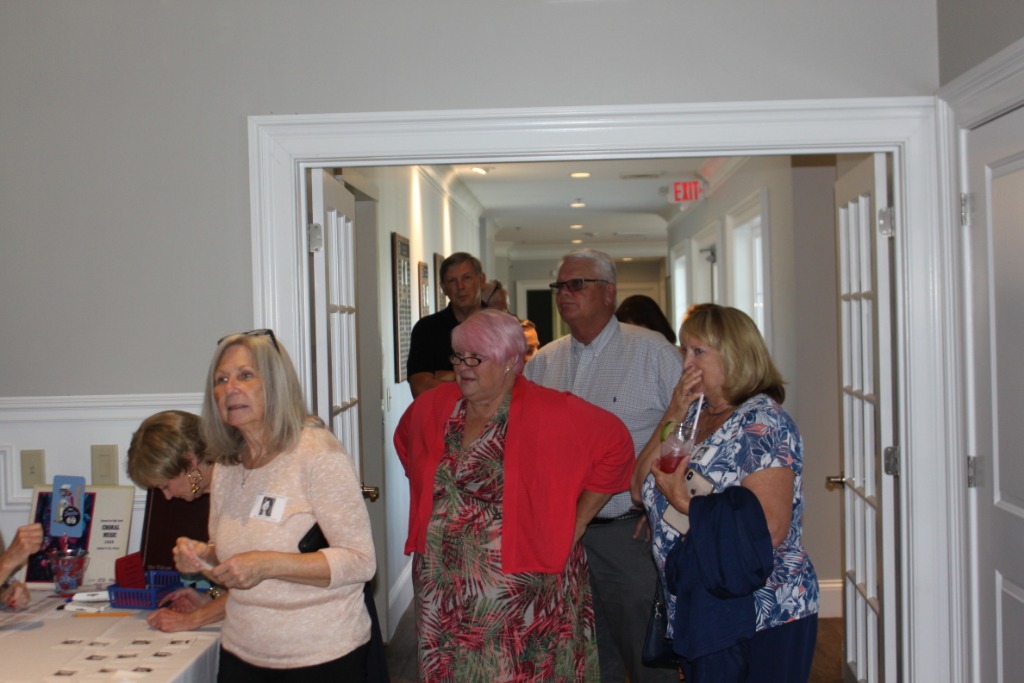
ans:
(631, 372)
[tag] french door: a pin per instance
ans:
(870, 460)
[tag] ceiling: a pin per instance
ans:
(628, 203)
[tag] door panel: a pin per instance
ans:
(345, 369)
(995, 374)
(870, 545)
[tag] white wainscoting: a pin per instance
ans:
(65, 427)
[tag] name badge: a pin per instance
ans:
(268, 507)
(704, 453)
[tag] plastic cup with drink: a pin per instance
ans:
(68, 567)
(678, 442)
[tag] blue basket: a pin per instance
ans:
(159, 584)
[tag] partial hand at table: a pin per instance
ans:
(185, 600)
(187, 610)
(17, 595)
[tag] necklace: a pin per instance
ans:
(718, 413)
(246, 471)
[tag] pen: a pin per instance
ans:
(102, 614)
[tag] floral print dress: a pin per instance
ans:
(475, 622)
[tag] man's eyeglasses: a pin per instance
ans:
(468, 361)
(575, 284)
(265, 332)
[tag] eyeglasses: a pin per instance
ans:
(468, 361)
(265, 332)
(575, 284)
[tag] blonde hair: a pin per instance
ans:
(749, 369)
(160, 447)
(284, 411)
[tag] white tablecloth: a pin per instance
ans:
(45, 644)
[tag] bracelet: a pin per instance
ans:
(215, 592)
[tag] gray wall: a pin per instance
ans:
(971, 32)
(124, 213)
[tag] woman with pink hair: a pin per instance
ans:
(504, 477)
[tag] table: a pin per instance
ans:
(43, 644)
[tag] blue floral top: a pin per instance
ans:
(758, 435)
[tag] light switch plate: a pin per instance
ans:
(104, 465)
(33, 468)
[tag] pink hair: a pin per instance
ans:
(492, 333)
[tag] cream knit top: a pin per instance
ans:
(279, 624)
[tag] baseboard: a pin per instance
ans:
(399, 598)
(831, 604)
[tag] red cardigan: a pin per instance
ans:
(556, 446)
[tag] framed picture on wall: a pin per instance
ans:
(440, 300)
(401, 284)
(423, 270)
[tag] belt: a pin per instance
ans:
(632, 513)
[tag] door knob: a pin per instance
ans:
(835, 482)
(371, 493)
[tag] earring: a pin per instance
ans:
(195, 478)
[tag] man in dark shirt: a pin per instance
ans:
(462, 277)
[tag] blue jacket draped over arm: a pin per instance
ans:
(714, 571)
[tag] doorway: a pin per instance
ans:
(903, 128)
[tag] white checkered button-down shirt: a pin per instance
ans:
(627, 370)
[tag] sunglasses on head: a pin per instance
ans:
(265, 332)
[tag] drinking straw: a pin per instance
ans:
(696, 417)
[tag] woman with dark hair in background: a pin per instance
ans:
(643, 311)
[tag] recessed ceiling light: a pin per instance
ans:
(576, 226)
(575, 241)
(578, 204)
(580, 174)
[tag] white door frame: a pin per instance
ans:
(987, 91)
(904, 127)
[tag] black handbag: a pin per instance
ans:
(657, 647)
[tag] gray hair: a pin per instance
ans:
(283, 402)
(602, 261)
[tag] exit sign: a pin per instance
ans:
(687, 191)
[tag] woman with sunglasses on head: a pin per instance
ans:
(291, 616)
(504, 477)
